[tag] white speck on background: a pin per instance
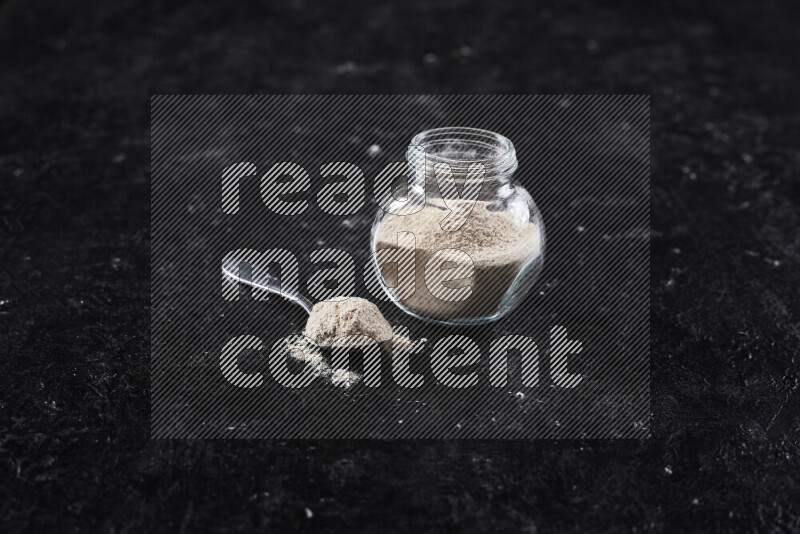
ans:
(465, 51)
(346, 67)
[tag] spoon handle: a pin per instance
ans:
(262, 280)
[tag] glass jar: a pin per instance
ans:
(466, 242)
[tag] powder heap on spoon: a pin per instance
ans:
(333, 323)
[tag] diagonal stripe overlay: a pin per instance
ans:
(295, 175)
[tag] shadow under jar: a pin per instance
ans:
(461, 197)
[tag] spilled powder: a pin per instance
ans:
(329, 322)
(344, 379)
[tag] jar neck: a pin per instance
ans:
(473, 157)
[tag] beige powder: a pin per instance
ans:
(327, 324)
(300, 349)
(329, 321)
(498, 246)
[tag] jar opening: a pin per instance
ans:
(462, 149)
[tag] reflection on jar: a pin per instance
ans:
(477, 242)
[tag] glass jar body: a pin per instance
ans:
(465, 244)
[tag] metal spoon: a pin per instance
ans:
(265, 282)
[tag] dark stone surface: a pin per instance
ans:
(75, 83)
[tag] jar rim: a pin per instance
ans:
(461, 147)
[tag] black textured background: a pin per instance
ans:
(75, 83)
